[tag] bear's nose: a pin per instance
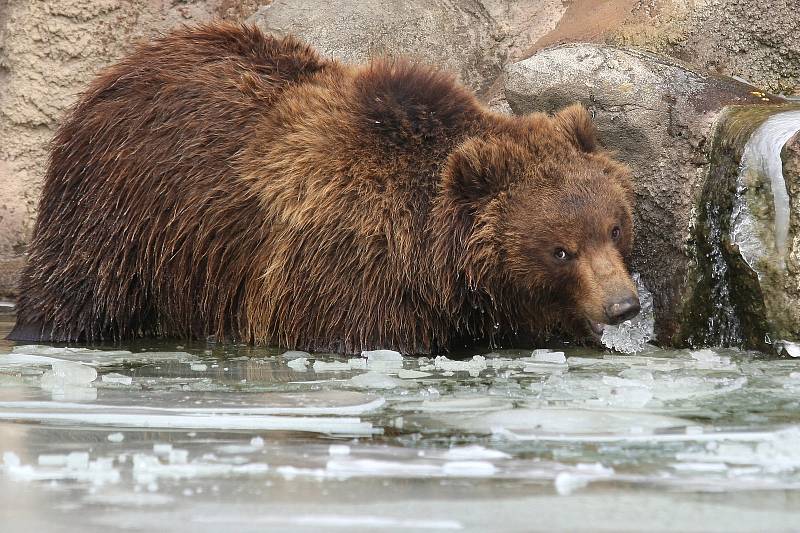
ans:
(622, 310)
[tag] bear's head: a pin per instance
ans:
(547, 216)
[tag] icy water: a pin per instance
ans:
(161, 436)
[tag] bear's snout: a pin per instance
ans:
(622, 309)
(606, 293)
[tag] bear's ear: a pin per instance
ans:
(479, 169)
(576, 122)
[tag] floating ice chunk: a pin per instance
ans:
(474, 452)
(162, 448)
(474, 366)
(383, 360)
(327, 403)
(382, 355)
(640, 375)
(295, 354)
(499, 363)
(120, 418)
(670, 388)
(456, 405)
(67, 374)
(74, 466)
(11, 460)
(52, 460)
(357, 363)
(299, 364)
(345, 467)
(198, 367)
(705, 356)
(568, 482)
(334, 366)
(553, 421)
(412, 374)
(546, 356)
(792, 349)
(78, 460)
(626, 393)
(709, 359)
(117, 379)
(633, 335)
(468, 469)
(234, 449)
(543, 368)
(116, 437)
(178, 456)
(339, 449)
(257, 442)
(773, 452)
(700, 467)
(377, 380)
(148, 468)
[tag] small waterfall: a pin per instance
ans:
(745, 280)
(761, 157)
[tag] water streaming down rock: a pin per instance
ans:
(747, 274)
(761, 160)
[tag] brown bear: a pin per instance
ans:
(219, 181)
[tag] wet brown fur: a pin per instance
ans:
(218, 181)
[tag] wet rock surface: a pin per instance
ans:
(658, 116)
(747, 276)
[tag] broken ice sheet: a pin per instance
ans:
(472, 366)
(553, 421)
(116, 379)
(324, 412)
(378, 380)
(387, 361)
(633, 388)
(75, 466)
(777, 451)
(569, 481)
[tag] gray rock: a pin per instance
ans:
(48, 53)
(460, 35)
(658, 115)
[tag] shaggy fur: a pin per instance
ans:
(218, 181)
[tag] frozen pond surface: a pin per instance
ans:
(166, 437)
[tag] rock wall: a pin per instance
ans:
(48, 52)
(751, 39)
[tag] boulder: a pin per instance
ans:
(458, 35)
(658, 115)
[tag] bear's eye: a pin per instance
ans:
(615, 233)
(560, 254)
